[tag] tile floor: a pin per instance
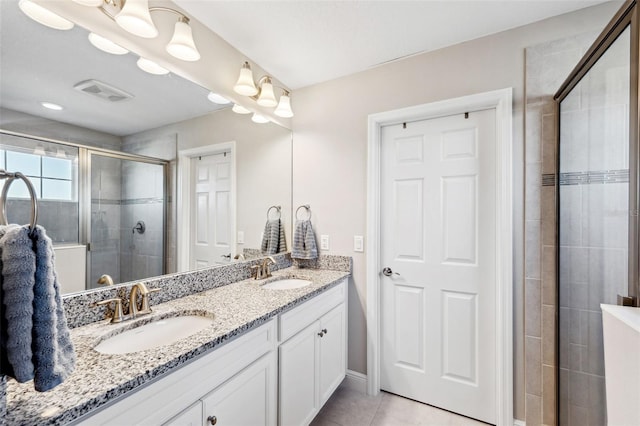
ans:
(348, 407)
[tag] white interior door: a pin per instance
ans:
(438, 221)
(211, 201)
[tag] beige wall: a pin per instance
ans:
(330, 143)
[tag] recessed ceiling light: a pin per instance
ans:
(218, 99)
(151, 67)
(51, 105)
(44, 16)
(106, 45)
(239, 109)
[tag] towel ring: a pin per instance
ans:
(278, 209)
(304, 206)
(5, 190)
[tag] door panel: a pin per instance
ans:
(438, 216)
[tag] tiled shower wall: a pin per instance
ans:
(547, 66)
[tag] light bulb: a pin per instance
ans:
(260, 119)
(106, 45)
(218, 99)
(135, 18)
(151, 67)
(44, 16)
(267, 98)
(182, 45)
(284, 106)
(245, 85)
(239, 109)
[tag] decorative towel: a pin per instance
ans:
(38, 346)
(273, 240)
(304, 241)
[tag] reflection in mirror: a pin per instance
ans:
(165, 116)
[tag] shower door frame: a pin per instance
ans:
(626, 17)
(85, 193)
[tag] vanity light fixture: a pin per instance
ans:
(239, 109)
(44, 16)
(151, 67)
(260, 119)
(52, 106)
(262, 92)
(218, 99)
(134, 16)
(106, 45)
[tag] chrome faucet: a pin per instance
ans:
(263, 270)
(144, 308)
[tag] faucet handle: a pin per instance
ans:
(118, 316)
(257, 275)
(146, 308)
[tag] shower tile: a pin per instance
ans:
(549, 275)
(564, 319)
(548, 396)
(579, 296)
(549, 142)
(578, 416)
(597, 401)
(533, 409)
(533, 369)
(533, 133)
(548, 335)
(578, 390)
(577, 353)
(532, 249)
(533, 308)
(594, 362)
(563, 397)
(533, 188)
(548, 213)
(570, 215)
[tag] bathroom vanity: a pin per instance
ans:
(269, 357)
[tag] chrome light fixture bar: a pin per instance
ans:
(262, 92)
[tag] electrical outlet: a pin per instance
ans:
(240, 237)
(324, 242)
(358, 243)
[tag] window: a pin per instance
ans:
(53, 177)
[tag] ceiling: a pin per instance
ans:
(306, 42)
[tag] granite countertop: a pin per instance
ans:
(99, 378)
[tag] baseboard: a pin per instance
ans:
(355, 381)
(519, 423)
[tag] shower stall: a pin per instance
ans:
(597, 212)
(108, 207)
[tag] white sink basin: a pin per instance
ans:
(154, 334)
(287, 284)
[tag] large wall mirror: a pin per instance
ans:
(137, 170)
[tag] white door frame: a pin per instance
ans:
(501, 101)
(184, 196)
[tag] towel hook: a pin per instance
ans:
(5, 190)
(278, 209)
(304, 206)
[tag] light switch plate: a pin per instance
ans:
(240, 237)
(358, 243)
(324, 242)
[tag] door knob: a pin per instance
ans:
(387, 272)
(212, 420)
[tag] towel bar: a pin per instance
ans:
(278, 209)
(5, 190)
(304, 206)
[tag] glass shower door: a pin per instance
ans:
(593, 230)
(127, 218)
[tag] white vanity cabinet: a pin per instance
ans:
(312, 355)
(237, 383)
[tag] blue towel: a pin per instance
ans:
(38, 344)
(304, 241)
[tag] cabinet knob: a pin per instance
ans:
(324, 330)
(321, 334)
(212, 420)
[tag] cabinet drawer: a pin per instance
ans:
(301, 316)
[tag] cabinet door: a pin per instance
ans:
(192, 416)
(247, 399)
(332, 358)
(298, 377)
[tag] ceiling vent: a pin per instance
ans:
(102, 90)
